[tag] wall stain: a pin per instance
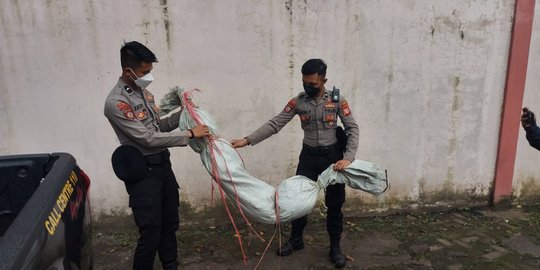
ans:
(357, 206)
(166, 22)
(19, 14)
(388, 98)
(529, 191)
(390, 76)
(288, 6)
(447, 192)
(461, 33)
(146, 34)
(450, 25)
(450, 173)
(422, 196)
(364, 204)
(90, 13)
(387, 107)
(431, 201)
(455, 103)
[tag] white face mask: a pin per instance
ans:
(143, 81)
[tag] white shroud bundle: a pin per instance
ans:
(296, 196)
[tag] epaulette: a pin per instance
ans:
(128, 89)
(335, 95)
(302, 95)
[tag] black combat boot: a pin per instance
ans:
(296, 242)
(337, 258)
(287, 249)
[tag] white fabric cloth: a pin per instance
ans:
(297, 195)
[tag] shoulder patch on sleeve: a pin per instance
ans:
(290, 106)
(345, 108)
(125, 109)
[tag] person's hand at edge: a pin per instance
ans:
(199, 131)
(239, 143)
(527, 118)
(341, 165)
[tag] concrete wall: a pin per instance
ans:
(424, 79)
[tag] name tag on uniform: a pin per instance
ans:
(305, 117)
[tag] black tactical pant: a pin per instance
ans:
(154, 201)
(313, 161)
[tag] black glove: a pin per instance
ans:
(527, 118)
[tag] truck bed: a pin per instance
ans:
(44, 213)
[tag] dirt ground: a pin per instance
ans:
(479, 238)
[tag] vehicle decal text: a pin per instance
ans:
(61, 203)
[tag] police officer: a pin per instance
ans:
(528, 121)
(318, 114)
(153, 191)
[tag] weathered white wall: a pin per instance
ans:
(424, 79)
(526, 182)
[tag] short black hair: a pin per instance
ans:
(133, 53)
(313, 66)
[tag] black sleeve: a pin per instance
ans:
(533, 136)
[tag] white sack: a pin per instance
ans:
(297, 195)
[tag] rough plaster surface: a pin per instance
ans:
(425, 81)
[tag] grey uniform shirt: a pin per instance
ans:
(318, 119)
(135, 119)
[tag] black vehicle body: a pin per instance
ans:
(45, 220)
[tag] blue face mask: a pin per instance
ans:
(311, 91)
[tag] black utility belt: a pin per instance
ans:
(320, 150)
(157, 159)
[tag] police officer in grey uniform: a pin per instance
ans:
(318, 114)
(153, 190)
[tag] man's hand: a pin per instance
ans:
(239, 143)
(527, 118)
(341, 165)
(200, 131)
